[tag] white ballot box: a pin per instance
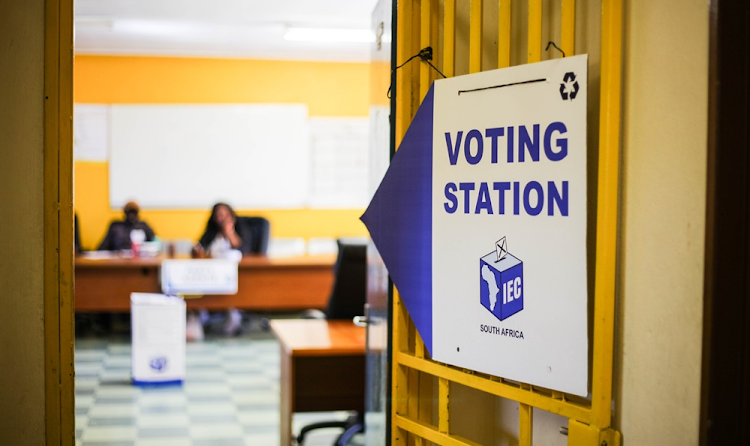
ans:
(158, 337)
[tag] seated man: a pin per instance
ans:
(118, 234)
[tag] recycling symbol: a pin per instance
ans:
(569, 86)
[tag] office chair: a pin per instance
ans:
(346, 301)
(260, 229)
(76, 236)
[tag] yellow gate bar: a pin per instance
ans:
(475, 37)
(568, 38)
(526, 419)
(444, 405)
(418, 346)
(403, 109)
(535, 31)
(425, 397)
(606, 227)
(503, 38)
(424, 41)
(398, 436)
(449, 37)
(413, 28)
(399, 383)
(429, 433)
(400, 401)
(503, 389)
(580, 434)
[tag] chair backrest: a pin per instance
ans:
(349, 290)
(76, 235)
(260, 229)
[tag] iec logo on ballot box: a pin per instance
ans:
(501, 282)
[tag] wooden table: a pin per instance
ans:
(264, 284)
(322, 368)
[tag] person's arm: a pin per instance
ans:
(229, 231)
(200, 248)
(150, 235)
(197, 252)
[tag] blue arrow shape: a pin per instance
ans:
(399, 219)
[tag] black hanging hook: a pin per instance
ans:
(425, 55)
(556, 47)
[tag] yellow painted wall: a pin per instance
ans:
(22, 361)
(328, 89)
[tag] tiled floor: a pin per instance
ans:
(230, 397)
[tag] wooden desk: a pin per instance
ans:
(322, 368)
(264, 284)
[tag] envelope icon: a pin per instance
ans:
(501, 246)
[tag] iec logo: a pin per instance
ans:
(569, 86)
(158, 363)
(501, 282)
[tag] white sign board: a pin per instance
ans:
(509, 223)
(199, 276)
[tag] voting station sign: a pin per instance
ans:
(481, 221)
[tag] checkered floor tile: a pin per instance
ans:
(230, 397)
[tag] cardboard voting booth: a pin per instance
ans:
(158, 338)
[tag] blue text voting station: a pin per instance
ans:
(508, 145)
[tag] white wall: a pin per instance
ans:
(658, 349)
(21, 223)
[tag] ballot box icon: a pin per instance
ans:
(501, 248)
(501, 282)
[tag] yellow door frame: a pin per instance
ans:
(58, 223)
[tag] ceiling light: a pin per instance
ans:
(329, 35)
(94, 23)
(159, 27)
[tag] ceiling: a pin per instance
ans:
(220, 28)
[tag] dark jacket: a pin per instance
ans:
(118, 235)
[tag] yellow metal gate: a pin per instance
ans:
(469, 36)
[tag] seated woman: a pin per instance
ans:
(224, 233)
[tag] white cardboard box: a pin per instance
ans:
(158, 338)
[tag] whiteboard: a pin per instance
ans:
(379, 143)
(192, 156)
(90, 132)
(339, 162)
